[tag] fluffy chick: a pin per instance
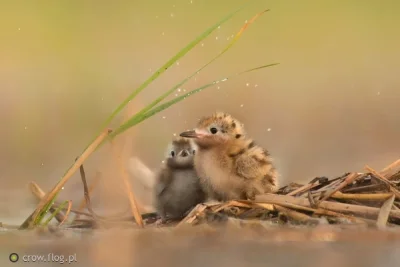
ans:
(229, 165)
(177, 188)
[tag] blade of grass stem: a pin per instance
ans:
(170, 62)
(60, 208)
(223, 51)
(137, 119)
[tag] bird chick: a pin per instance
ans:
(229, 165)
(177, 188)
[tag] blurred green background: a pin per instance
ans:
(331, 106)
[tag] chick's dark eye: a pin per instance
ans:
(194, 152)
(173, 153)
(213, 130)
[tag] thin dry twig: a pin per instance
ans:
(390, 170)
(338, 207)
(384, 180)
(67, 212)
(125, 178)
(82, 203)
(39, 194)
(189, 219)
(349, 179)
(304, 188)
(377, 196)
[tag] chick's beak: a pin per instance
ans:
(183, 153)
(190, 134)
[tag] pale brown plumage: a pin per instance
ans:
(229, 165)
(177, 187)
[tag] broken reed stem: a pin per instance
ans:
(284, 200)
(67, 212)
(384, 180)
(390, 170)
(82, 204)
(348, 180)
(298, 216)
(128, 187)
(39, 194)
(50, 195)
(384, 213)
(377, 196)
(303, 188)
(196, 211)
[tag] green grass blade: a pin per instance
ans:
(230, 44)
(43, 212)
(137, 119)
(61, 207)
(169, 63)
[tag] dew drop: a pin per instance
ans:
(255, 85)
(177, 63)
(218, 87)
(179, 89)
(247, 84)
(174, 134)
(378, 93)
(269, 129)
(26, 127)
(172, 15)
(162, 33)
(241, 105)
(216, 37)
(164, 117)
(19, 29)
(202, 44)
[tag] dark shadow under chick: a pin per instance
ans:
(177, 188)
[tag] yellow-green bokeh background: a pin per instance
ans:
(331, 105)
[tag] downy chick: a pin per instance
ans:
(229, 165)
(177, 188)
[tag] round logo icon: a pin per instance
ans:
(13, 257)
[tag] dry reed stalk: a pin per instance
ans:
(348, 180)
(304, 188)
(196, 211)
(384, 213)
(366, 196)
(338, 207)
(384, 180)
(39, 194)
(391, 169)
(67, 212)
(298, 216)
(128, 187)
(92, 186)
(50, 195)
